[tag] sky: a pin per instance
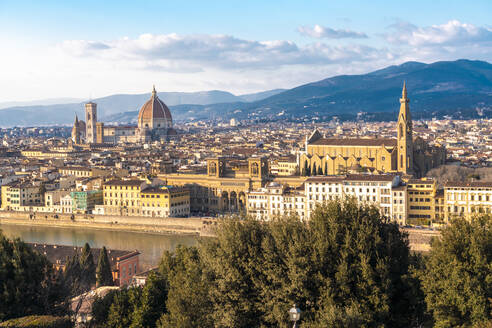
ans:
(89, 49)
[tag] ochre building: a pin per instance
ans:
(406, 154)
(224, 186)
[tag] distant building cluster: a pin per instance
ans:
(154, 123)
(260, 169)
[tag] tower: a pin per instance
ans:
(90, 121)
(76, 131)
(404, 135)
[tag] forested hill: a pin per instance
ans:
(459, 89)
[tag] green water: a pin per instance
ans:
(151, 246)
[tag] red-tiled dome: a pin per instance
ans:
(154, 108)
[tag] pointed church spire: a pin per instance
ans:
(405, 134)
(404, 91)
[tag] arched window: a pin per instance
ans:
(213, 169)
(401, 130)
(254, 169)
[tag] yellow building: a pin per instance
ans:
(83, 172)
(324, 156)
(165, 201)
(225, 184)
(421, 201)
(122, 197)
(21, 196)
(284, 166)
(465, 199)
(42, 154)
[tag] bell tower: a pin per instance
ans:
(90, 122)
(76, 131)
(404, 135)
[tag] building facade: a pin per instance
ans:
(405, 154)
(165, 201)
(223, 187)
(466, 199)
(154, 123)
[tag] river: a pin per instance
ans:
(151, 246)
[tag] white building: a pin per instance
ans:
(465, 199)
(276, 200)
(384, 191)
(365, 188)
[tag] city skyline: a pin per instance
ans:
(91, 50)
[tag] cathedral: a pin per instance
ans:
(154, 123)
(405, 154)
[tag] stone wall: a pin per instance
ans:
(199, 226)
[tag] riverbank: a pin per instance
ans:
(186, 226)
(419, 239)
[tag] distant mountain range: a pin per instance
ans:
(45, 112)
(460, 89)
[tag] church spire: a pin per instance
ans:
(405, 134)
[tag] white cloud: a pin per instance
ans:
(452, 33)
(319, 32)
(174, 62)
(174, 52)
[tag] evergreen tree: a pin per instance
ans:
(320, 170)
(152, 303)
(369, 283)
(313, 169)
(233, 261)
(457, 280)
(119, 311)
(305, 169)
(87, 267)
(188, 303)
(100, 309)
(326, 168)
(26, 281)
(104, 277)
(72, 275)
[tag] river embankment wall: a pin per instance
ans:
(419, 239)
(192, 225)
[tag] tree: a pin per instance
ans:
(305, 169)
(87, 268)
(152, 302)
(457, 280)
(314, 171)
(26, 281)
(104, 277)
(348, 267)
(363, 265)
(120, 310)
(233, 262)
(72, 275)
(188, 302)
(100, 309)
(320, 170)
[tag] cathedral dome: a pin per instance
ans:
(154, 113)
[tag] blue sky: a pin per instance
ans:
(95, 48)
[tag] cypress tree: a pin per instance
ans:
(313, 169)
(88, 268)
(104, 276)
